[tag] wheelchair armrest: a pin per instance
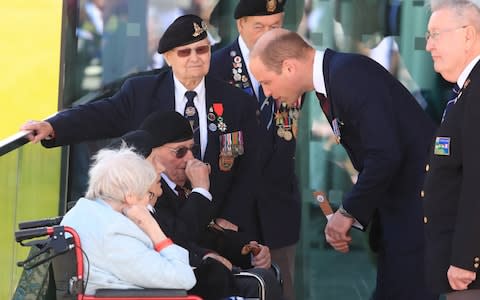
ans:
(40, 223)
(129, 293)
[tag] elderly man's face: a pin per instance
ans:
(174, 165)
(252, 27)
(446, 41)
(276, 85)
(190, 62)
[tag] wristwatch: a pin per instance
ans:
(345, 213)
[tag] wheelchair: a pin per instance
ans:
(67, 259)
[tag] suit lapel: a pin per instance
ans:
(211, 152)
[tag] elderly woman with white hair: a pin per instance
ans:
(125, 246)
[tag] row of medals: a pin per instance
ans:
(286, 121)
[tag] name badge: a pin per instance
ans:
(442, 146)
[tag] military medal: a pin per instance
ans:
(286, 121)
(212, 127)
(218, 109)
(233, 53)
(225, 162)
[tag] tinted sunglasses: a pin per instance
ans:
(199, 50)
(180, 152)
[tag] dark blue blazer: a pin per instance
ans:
(452, 210)
(139, 96)
(387, 137)
(278, 197)
(385, 133)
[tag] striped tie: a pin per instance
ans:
(452, 101)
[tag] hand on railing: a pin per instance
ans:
(39, 130)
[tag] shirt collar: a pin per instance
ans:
(180, 89)
(169, 182)
(466, 72)
(245, 51)
(318, 78)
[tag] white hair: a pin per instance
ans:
(465, 9)
(116, 173)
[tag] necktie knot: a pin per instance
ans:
(181, 192)
(190, 95)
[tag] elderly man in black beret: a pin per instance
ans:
(278, 196)
(183, 210)
(223, 119)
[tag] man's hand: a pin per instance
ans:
(263, 258)
(39, 130)
(226, 224)
(198, 173)
(336, 232)
(459, 279)
(221, 259)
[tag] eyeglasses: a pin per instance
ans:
(435, 34)
(180, 152)
(199, 50)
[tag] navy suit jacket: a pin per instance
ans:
(138, 97)
(278, 197)
(452, 222)
(184, 220)
(387, 136)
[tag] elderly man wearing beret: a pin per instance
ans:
(278, 197)
(183, 208)
(222, 117)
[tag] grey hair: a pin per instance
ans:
(116, 173)
(463, 8)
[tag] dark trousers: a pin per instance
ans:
(464, 295)
(400, 276)
(285, 259)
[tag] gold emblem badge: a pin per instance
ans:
(197, 30)
(271, 5)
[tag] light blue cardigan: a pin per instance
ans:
(121, 255)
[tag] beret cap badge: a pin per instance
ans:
(197, 30)
(271, 5)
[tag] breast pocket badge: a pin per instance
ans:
(442, 146)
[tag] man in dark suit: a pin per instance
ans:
(224, 119)
(450, 192)
(386, 135)
(278, 197)
(184, 217)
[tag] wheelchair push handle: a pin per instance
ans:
(40, 223)
(26, 234)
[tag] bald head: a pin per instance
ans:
(277, 45)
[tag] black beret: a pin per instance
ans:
(141, 140)
(247, 8)
(183, 31)
(167, 127)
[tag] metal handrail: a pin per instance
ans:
(14, 141)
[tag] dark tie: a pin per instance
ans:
(266, 112)
(181, 192)
(452, 101)
(324, 104)
(191, 114)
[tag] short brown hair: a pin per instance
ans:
(287, 44)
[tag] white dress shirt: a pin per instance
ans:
(200, 104)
